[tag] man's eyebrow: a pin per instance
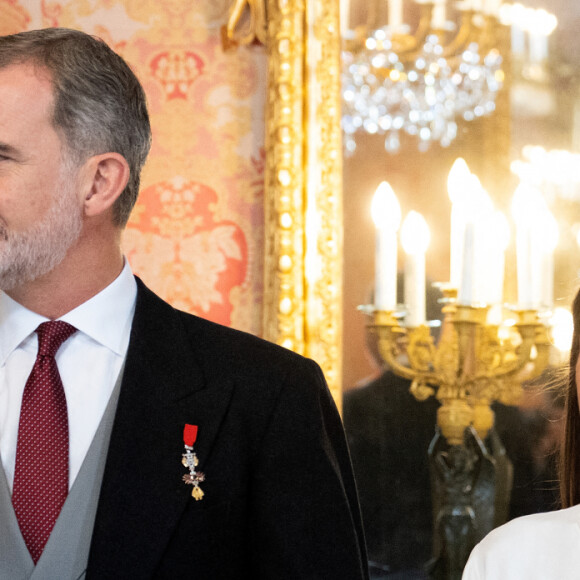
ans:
(6, 149)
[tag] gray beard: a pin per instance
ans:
(28, 255)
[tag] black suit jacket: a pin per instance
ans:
(280, 499)
(389, 433)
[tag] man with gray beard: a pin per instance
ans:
(28, 254)
(137, 441)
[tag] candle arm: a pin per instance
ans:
(388, 347)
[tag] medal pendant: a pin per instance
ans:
(190, 461)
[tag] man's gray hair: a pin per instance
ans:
(99, 104)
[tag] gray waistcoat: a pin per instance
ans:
(66, 553)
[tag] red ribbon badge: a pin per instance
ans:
(189, 434)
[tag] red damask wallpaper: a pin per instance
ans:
(196, 235)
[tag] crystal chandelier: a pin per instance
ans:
(420, 84)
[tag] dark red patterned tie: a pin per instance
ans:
(41, 472)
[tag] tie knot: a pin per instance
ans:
(51, 335)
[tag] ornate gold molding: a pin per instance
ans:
(302, 307)
(323, 193)
(242, 30)
(303, 276)
(284, 310)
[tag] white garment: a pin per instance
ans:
(542, 546)
(89, 363)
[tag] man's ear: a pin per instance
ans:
(104, 178)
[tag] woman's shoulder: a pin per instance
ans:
(569, 515)
(534, 524)
(545, 545)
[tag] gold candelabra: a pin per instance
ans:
(472, 364)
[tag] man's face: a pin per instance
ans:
(40, 210)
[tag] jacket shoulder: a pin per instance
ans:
(238, 349)
(219, 348)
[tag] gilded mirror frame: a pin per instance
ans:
(302, 307)
(303, 213)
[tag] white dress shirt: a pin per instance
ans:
(89, 363)
(542, 546)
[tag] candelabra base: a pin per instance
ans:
(471, 485)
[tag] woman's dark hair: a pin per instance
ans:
(569, 463)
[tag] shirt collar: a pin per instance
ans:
(106, 317)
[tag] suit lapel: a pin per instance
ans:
(143, 495)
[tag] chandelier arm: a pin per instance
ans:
(488, 33)
(406, 45)
(463, 36)
(371, 15)
(356, 44)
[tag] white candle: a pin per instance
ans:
(524, 266)
(518, 41)
(536, 258)
(458, 184)
(386, 213)
(415, 239)
(395, 14)
(344, 16)
(473, 265)
(386, 270)
(540, 24)
(457, 233)
(466, 292)
(518, 16)
(495, 238)
(415, 289)
(529, 210)
(500, 234)
(549, 242)
(538, 47)
(493, 7)
(439, 15)
(547, 280)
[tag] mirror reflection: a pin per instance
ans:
(460, 122)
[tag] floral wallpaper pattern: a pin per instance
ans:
(196, 235)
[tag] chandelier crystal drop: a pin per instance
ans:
(389, 90)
